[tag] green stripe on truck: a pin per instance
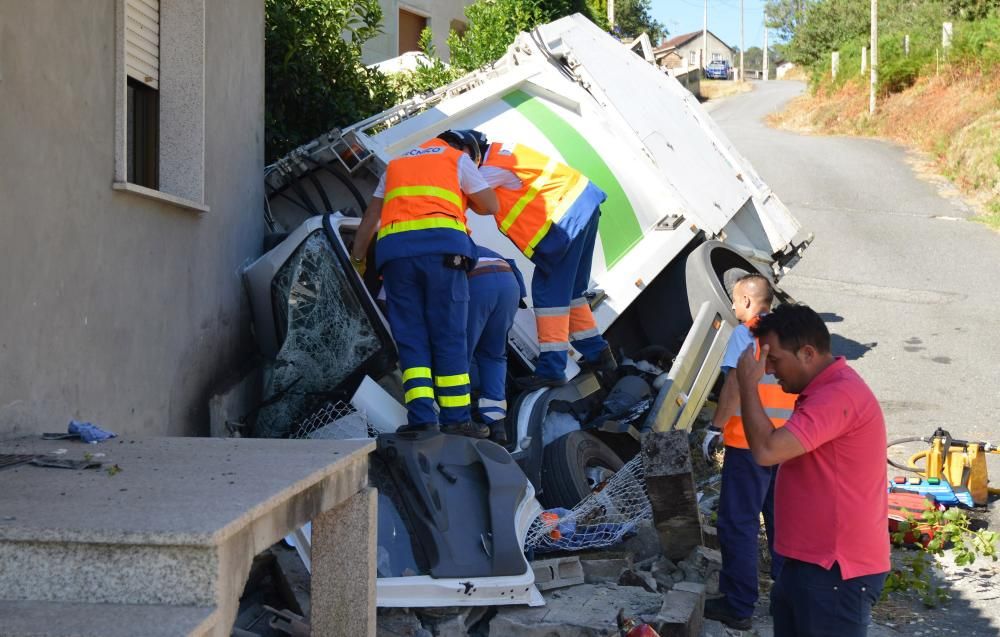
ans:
(619, 227)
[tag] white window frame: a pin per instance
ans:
(182, 106)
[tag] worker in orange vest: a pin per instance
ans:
(424, 254)
(551, 211)
(747, 488)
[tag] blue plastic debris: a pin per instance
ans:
(89, 432)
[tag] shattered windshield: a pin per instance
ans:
(328, 335)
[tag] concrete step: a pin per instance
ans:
(70, 619)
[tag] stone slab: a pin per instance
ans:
(604, 571)
(63, 619)
(169, 491)
(588, 610)
(681, 614)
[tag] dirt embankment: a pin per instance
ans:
(954, 118)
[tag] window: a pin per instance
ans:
(693, 57)
(410, 27)
(160, 101)
(142, 135)
(716, 57)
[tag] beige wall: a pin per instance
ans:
(715, 46)
(439, 14)
(118, 309)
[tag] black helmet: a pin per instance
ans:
(472, 141)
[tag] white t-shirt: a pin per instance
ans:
(499, 177)
(469, 179)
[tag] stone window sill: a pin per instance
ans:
(149, 193)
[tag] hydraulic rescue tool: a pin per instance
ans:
(948, 465)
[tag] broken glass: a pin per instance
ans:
(328, 336)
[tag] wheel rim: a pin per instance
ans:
(597, 475)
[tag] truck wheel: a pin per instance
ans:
(573, 466)
(710, 272)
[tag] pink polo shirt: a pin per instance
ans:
(830, 504)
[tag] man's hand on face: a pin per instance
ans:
(751, 369)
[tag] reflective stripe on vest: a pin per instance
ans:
(548, 189)
(423, 191)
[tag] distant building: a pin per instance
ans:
(685, 50)
(783, 68)
(402, 23)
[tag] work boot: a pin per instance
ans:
(498, 431)
(468, 429)
(720, 610)
(417, 428)
(605, 367)
(533, 382)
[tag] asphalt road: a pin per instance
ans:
(908, 285)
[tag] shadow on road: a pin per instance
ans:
(842, 346)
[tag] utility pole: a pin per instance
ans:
(874, 59)
(742, 77)
(765, 53)
(704, 38)
(611, 14)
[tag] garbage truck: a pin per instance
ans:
(685, 216)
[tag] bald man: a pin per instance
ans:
(747, 488)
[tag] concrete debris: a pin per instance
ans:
(641, 579)
(557, 572)
(588, 610)
(604, 570)
(681, 613)
(702, 566)
(665, 573)
(399, 622)
(644, 544)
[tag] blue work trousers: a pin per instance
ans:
(427, 307)
(554, 291)
(493, 297)
(809, 601)
(747, 491)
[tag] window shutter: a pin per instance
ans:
(142, 41)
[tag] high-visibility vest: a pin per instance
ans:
(423, 192)
(777, 404)
(548, 189)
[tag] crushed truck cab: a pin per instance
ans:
(685, 216)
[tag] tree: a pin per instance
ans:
(493, 25)
(632, 18)
(314, 78)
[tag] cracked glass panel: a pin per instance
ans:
(328, 335)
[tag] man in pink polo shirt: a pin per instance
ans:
(830, 502)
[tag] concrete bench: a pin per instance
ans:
(159, 541)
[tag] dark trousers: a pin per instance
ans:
(493, 298)
(747, 491)
(428, 307)
(809, 601)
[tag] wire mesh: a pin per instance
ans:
(335, 421)
(601, 519)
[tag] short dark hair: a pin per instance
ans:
(796, 326)
(767, 290)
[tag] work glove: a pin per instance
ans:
(360, 266)
(712, 442)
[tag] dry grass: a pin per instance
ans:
(716, 89)
(954, 117)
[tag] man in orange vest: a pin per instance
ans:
(551, 211)
(747, 488)
(424, 253)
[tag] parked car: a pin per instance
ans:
(717, 70)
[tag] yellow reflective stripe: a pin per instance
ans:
(455, 401)
(416, 372)
(419, 392)
(529, 249)
(422, 224)
(527, 197)
(570, 198)
(424, 191)
(452, 381)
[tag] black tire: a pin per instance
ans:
(565, 479)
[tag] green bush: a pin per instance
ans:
(314, 78)
(977, 43)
